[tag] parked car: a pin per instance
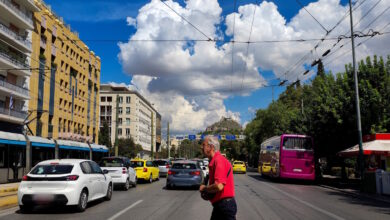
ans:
(239, 167)
(64, 182)
(120, 171)
(184, 173)
(145, 170)
(163, 166)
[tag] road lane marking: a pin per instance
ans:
(305, 203)
(125, 210)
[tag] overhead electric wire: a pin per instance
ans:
(182, 17)
(234, 26)
(322, 26)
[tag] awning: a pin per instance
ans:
(376, 147)
(41, 142)
(72, 145)
(99, 148)
(12, 138)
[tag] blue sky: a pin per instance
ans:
(105, 20)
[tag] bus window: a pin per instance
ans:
(297, 143)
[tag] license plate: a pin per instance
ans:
(298, 170)
(43, 198)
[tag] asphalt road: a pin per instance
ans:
(257, 198)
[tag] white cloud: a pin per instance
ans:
(188, 81)
(131, 21)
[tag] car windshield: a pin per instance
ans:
(186, 166)
(111, 162)
(135, 164)
(161, 162)
(51, 169)
(238, 163)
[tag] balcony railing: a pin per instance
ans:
(13, 87)
(14, 113)
(21, 39)
(18, 62)
(24, 15)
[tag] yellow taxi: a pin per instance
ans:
(265, 168)
(239, 166)
(145, 169)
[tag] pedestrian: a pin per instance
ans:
(220, 188)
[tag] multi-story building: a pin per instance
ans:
(130, 115)
(16, 25)
(65, 81)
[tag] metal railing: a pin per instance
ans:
(24, 15)
(14, 113)
(21, 39)
(13, 60)
(13, 87)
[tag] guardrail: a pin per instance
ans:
(26, 42)
(14, 87)
(24, 15)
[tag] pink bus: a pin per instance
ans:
(288, 156)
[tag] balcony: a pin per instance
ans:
(15, 39)
(12, 115)
(10, 88)
(53, 50)
(16, 63)
(20, 18)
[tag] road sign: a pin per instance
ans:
(192, 137)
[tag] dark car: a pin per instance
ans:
(184, 174)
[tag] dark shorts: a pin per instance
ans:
(225, 209)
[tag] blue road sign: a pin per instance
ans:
(192, 137)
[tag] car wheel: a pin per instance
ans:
(168, 187)
(109, 192)
(135, 182)
(25, 209)
(83, 201)
(127, 185)
(158, 177)
(150, 178)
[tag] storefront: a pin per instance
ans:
(73, 150)
(12, 157)
(98, 152)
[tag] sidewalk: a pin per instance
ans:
(350, 187)
(8, 195)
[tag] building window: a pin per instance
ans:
(120, 131)
(119, 121)
(120, 100)
(109, 99)
(102, 99)
(128, 99)
(128, 110)
(127, 132)
(127, 121)
(120, 111)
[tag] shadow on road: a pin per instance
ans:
(55, 210)
(181, 188)
(281, 181)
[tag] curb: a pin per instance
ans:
(356, 194)
(8, 201)
(8, 189)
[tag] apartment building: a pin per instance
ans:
(16, 25)
(65, 81)
(130, 115)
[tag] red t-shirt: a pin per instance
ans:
(218, 169)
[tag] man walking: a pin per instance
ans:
(220, 190)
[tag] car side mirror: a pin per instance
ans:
(105, 171)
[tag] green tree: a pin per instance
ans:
(104, 136)
(127, 147)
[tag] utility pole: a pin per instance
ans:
(151, 135)
(359, 124)
(168, 140)
(116, 126)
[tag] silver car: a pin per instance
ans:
(163, 166)
(184, 173)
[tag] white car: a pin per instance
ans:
(120, 171)
(64, 182)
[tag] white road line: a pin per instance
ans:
(306, 203)
(125, 210)
(8, 211)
